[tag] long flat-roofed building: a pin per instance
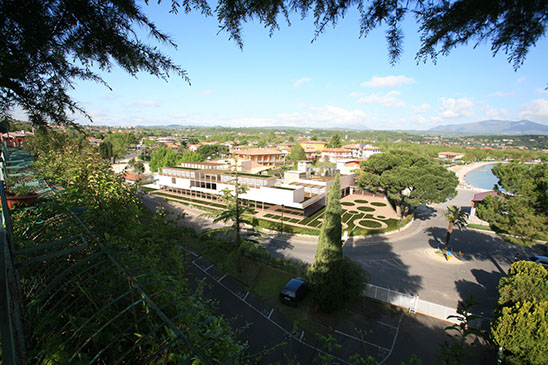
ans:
(297, 190)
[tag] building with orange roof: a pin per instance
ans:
(313, 146)
(262, 156)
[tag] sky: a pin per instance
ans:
(337, 81)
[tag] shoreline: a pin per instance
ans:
(462, 170)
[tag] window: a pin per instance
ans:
(174, 180)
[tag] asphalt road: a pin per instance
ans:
(403, 261)
(389, 337)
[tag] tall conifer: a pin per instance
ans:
(329, 242)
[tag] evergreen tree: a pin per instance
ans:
(522, 331)
(408, 178)
(329, 241)
(526, 281)
(520, 325)
(105, 150)
(335, 141)
(334, 278)
(523, 212)
(297, 153)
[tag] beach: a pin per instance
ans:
(462, 170)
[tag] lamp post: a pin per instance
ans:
(282, 218)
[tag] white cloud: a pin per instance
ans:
(333, 115)
(208, 92)
(502, 94)
(421, 108)
(492, 113)
(146, 102)
(355, 94)
(457, 108)
(301, 81)
(389, 99)
(387, 81)
(520, 80)
(179, 115)
(541, 91)
(536, 110)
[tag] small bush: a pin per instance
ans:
(370, 223)
(378, 204)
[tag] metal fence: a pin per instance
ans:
(416, 305)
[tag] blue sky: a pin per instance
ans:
(339, 81)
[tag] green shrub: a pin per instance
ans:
(370, 223)
(361, 201)
(366, 209)
(378, 204)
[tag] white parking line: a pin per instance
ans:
(397, 264)
(359, 339)
(222, 277)
(273, 322)
(210, 266)
(245, 295)
(270, 313)
(393, 342)
(387, 325)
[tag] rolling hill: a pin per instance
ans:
(494, 127)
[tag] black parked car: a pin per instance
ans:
(293, 291)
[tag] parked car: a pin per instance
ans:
(543, 260)
(293, 292)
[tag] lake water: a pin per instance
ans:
(482, 177)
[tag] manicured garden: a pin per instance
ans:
(358, 218)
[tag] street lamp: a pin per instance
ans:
(282, 218)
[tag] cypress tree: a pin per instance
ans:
(329, 242)
(334, 278)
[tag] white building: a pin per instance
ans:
(298, 189)
(362, 150)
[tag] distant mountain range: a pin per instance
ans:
(494, 127)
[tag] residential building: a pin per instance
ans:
(348, 166)
(16, 138)
(362, 150)
(335, 154)
(263, 156)
(478, 198)
(313, 146)
(453, 156)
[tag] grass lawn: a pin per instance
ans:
(361, 201)
(479, 226)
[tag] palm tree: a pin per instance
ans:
(456, 217)
(236, 213)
